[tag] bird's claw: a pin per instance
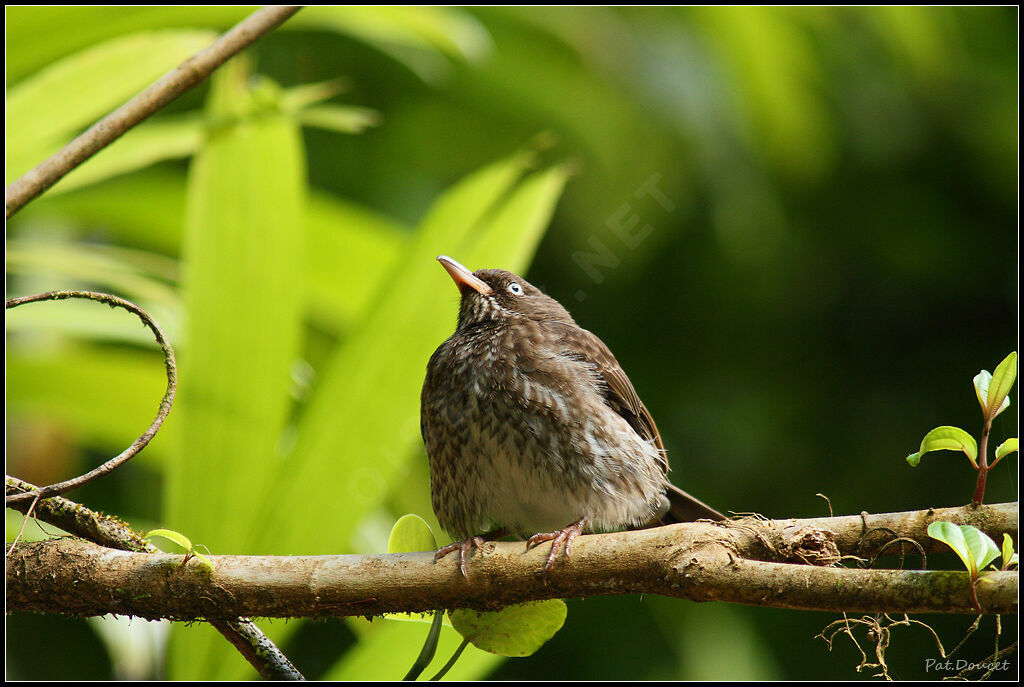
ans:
(463, 547)
(557, 538)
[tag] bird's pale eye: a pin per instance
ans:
(515, 289)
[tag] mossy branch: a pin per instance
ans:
(749, 561)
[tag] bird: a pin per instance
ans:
(532, 428)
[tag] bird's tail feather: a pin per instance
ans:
(686, 508)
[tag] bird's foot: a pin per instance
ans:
(463, 547)
(467, 545)
(558, 539)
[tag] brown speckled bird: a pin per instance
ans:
(532, 427)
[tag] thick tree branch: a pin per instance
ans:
(697, 561)
(104, 132)
(871, 534)
(75, 518)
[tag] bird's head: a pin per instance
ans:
(499, 294)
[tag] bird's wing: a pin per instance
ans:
(621, 397)
(619, 393)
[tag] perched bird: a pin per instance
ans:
(532, 427)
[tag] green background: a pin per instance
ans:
(828, 259)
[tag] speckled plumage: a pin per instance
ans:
(531, 425)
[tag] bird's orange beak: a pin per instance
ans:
(463, 277)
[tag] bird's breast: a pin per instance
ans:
(525, 433)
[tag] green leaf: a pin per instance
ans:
(352, 248)
(243, 260)
(353, 437)
(244, 246)
(982, 381)
(176, 537)
(1006, 448)
(105, 395)
(946, 439)
(46, 110)
(983, 549)
(1009, 556)
(513, 631)
(101, 268)
(144, 209)
(167, 138)
(983, 387)
(952, 536)
(1002, 381)
(511, 237)
(975, 548)
(423, 39)
(373, 379)
(774, 66)
(411, 533)
(302, 96)
(203, 559)
(185, 543)
(344, 119)
(454, 32)
(352, 252)
(70, 28)
(137, 275)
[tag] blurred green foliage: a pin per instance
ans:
(788, 223)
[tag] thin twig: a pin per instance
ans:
(104, 132)
(24, 521)
(451, 661)
(983, 466)
(165, 402)
(903, 540)
(426, 654)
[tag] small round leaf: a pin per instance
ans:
(513, 631)
(411, 533)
